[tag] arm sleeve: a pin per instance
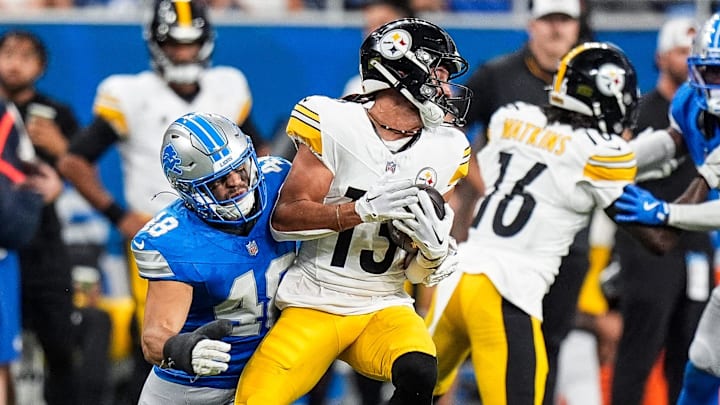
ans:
(695, 217)
(652, 147)
(94, 140)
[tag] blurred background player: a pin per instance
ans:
(133, 111)
(212, 264)
(46, 280)
(356, 166)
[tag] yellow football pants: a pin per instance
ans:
(304, 342)
(505, 344)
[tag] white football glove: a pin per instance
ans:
(430, 277)
(710, 170)
(430, 233)
(387, 200)
(210, 357)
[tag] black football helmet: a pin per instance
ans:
(403, 54)
(597, 79)
(184, 22)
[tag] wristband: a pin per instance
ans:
(114, 213)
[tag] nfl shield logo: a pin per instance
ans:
(390, 167)
(252, 248)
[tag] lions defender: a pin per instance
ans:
(212, 264)
(695, 129)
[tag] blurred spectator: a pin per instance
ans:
(46, 282)
(24, 189)
(662, 297)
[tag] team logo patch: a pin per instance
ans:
(252, 248)
(427, 176)
(610, 79)
(390, 167)
(395, 44)
(170, 160)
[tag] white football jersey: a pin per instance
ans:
(140, 108)
(358, 270)
(543, 183)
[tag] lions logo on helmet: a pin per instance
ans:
(182, 22)
(201, 149)
(597, 79)
(704, 65)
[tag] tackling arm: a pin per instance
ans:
(300, 213)
(166, 309)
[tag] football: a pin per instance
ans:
(404, 241)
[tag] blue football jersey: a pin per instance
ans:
(233, 277)
(685, 111)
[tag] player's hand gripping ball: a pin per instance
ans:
(404, 241)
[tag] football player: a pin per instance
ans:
(212, 264)
(695, 130)
(356, 166)
(546, 170)
(132, 111)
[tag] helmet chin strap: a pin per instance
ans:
(430, 113)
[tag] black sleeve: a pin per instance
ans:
(20, 214)
(249, 128)
(67, 121)
(480, 83)
(94, 140)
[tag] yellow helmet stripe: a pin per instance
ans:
(184, 13)
(562, 69)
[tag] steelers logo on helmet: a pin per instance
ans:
(610, 79)
(395, 44)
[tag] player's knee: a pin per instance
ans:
(415, 373)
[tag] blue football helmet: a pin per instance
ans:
(704, 65)
(198, 151)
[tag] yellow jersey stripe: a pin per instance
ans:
(594, 172)
(305, 133)
(244, 112)
(114, 117)
(628, 157)
(461, 171)
(307, 112)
